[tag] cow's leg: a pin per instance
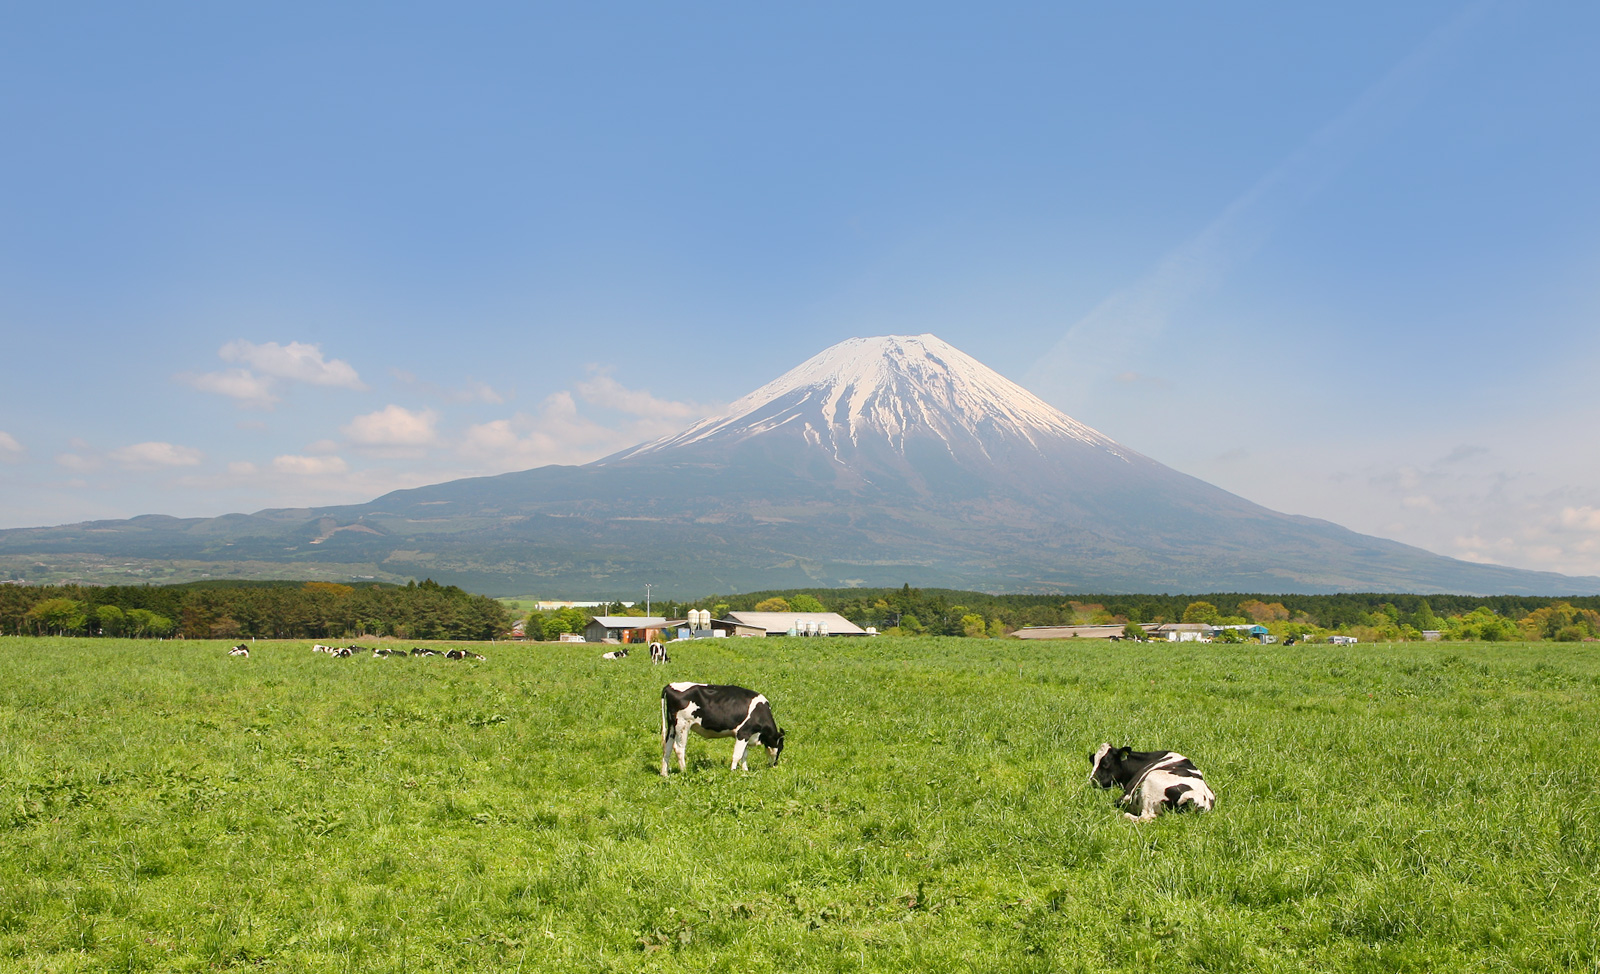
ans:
(739, 745)
(666, 736)
(683, 747)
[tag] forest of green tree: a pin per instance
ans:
(241, 610)
(427, 610)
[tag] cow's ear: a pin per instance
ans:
(1124, 752)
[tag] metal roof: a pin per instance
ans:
(779, 623)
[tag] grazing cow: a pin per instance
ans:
(461, 654)
(239, 650)
(658, 653)
(1150, 780)
(615, 654)
(716, 711)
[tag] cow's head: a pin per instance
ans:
(1104, 763)
(776, 747)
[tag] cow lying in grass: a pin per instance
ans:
(1150, 780)
(716, 711)
(615, 654)
(239, 650)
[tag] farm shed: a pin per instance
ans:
(1070, 632)
(718, 627)
(1183, 632)
(624, 629)
(798, 623)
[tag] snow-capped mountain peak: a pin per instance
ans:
(893, 389)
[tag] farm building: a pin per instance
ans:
(625, 629)
(798, 623)
(1070, 632)
(1183, 632)
(716, 628)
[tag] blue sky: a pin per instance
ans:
(1344, 261)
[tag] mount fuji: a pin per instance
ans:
(877, 462)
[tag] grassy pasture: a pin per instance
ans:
(1421, 807)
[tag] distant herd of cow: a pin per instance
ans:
(1151, 781)
(379, 652)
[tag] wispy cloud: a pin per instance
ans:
(603, 390)
(394, 430)
(156, 455)
(302, 466)
(10, 449)
(267, 367)
(245, 387)
(470, 391)
(295, 362)
(560, 431)
(1120, 330)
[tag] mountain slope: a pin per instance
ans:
(878, 461)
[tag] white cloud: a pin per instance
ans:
(10, 449)
(296, 361)
(246, 387)
(156, 455)
(309, 466)
(269, 365)
(393, 427)
(602, 390)
(1583, 518)
(557, 433)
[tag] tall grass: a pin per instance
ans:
(164, 806)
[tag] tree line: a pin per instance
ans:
(1368, 615)
(242, 610)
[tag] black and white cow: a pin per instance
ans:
(239, 650)
(716, 711)
(461, 654)
(616, 654)
(1150, 780)
(419, 651)
(658, 653)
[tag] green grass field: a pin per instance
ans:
(1421, 807)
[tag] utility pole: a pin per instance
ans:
(647, 598)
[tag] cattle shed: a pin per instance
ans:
(624, 629)
(1070, 632)
(1183, 632)
(799, 623)
(717, 628)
